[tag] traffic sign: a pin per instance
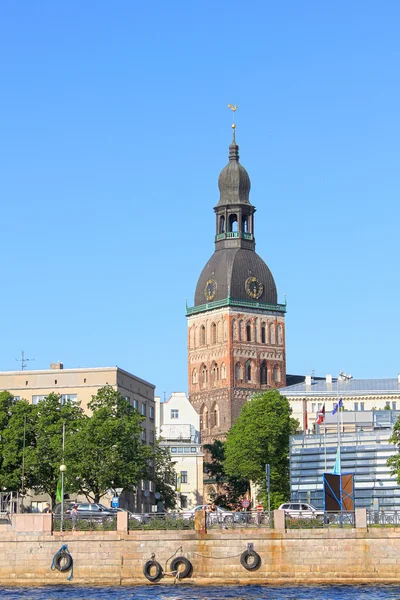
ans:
(260, 508)
(245, 503)
(115, 502)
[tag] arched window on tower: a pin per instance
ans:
(241, 331)
(263, 373)
(280, 334)
(234, 329)
(213, 333)
(202, 335)
(214, 373)
(222, 224)
(263, 334)
(248, 331)
(239, 372)
(194, 376)
(223, 371)
(277, 374)
(214, 421)
(233, 223)
(255, 330)
(248, 371)
(204, 417)
(272, 333)
(245, 221)
(204, 376)
(225, 328)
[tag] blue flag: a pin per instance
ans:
(336, 466)
(337, 406)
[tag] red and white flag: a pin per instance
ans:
(321, 416)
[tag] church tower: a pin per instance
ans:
(236, 328)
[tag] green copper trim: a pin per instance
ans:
(193, 310)
(233, 234)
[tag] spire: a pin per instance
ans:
(234, 148)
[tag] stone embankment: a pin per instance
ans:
(354, 555)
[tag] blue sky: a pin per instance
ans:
(114, 127)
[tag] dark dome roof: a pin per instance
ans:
(234, 181)
(230, 268)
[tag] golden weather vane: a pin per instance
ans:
(233, 108)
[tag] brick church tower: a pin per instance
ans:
(236, 328)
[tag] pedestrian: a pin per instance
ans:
(74, 516)
(47, 508)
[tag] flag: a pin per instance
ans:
(59, 497)
(336, 466)
(321, 416)
(337, 406)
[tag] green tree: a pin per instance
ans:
(164, 476)
(231, 488)
(107, 451)
(17, 427)
(260, 436)
(394, 461)
(44, 455)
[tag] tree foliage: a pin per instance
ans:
(394, 461)
(258, 437)
(164, 476)
(231, 488)
(107, 451)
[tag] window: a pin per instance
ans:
(394, 405)
(248, 371)
(143, 409)
(184, 477)
(135, 404)
(319, 406)
(223, 371)
(193, 450)
(36, 399)
(16, 398)
(151, 437)
(280, 334)
(26, 382)
(214, 371)
(248, 332)
(84, 380)
(144, 436)
(186, 449)
(213, 333)
(55, 382)
(68, 398)
(277, 374)
(204, 376)
(173, 450)
(387, 404)
(204, 418)
(263, 337)
(202, 336)
(180, 450)
(356, 406)
(313, 407)
(272, 334)
(239, 372)
(362, 405)
(174, 413)
(194, 376)
(127, 399)
(263, 373)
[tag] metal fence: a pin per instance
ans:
(326, 519)
(234, 520)
(383, 518)
(84, 524)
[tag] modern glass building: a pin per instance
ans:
(365, 448)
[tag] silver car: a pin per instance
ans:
(221, 515)
(301, 510)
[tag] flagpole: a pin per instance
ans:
(325, 442)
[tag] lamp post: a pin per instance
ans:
(63, 468)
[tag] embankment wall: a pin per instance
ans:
(117, 557)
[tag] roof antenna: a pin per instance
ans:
(23, 360)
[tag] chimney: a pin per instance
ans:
(328, 378)
(57, 366)
(308, 379)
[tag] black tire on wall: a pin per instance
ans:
(63, 561)
(181, 561)
(250, 560)
(148, 570)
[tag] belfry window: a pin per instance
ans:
(245, 222)
(263, 336)
(239, 372)
(263, 373)
(248, 370)
(213, 333)
(202, 336)
(233, 223)
(222, 224)
(248, 332)
(277, 374)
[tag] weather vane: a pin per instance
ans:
(233, 108)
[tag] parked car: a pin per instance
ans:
(301, 510)
(221, 515)
(87, 510)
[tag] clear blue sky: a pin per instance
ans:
(114, 127)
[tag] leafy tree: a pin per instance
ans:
(164, 475)
(44, 455)
(231, 488)
(260, 436)
(107, 451)
(17, 436)
(394, 461)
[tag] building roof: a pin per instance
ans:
(350, 387)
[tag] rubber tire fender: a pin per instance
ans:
(181, 560)
(250, 554)
(63, 561)
(147, 567)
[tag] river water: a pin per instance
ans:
(191, 592)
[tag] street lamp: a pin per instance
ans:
(63, 468)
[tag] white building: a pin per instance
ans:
(178, 425)
(308, 397)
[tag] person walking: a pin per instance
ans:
(74, 516)
(47, 508)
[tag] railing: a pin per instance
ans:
(230, 520)
(151, 521)
(232, 302)
(234, 234)
(95, 523)
(327, 519)
(239, 520)
(383, 518)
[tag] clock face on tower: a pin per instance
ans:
(210, 290)
(254, 287)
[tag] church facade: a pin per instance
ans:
(236, 328)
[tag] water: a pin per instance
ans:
(189, 592)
